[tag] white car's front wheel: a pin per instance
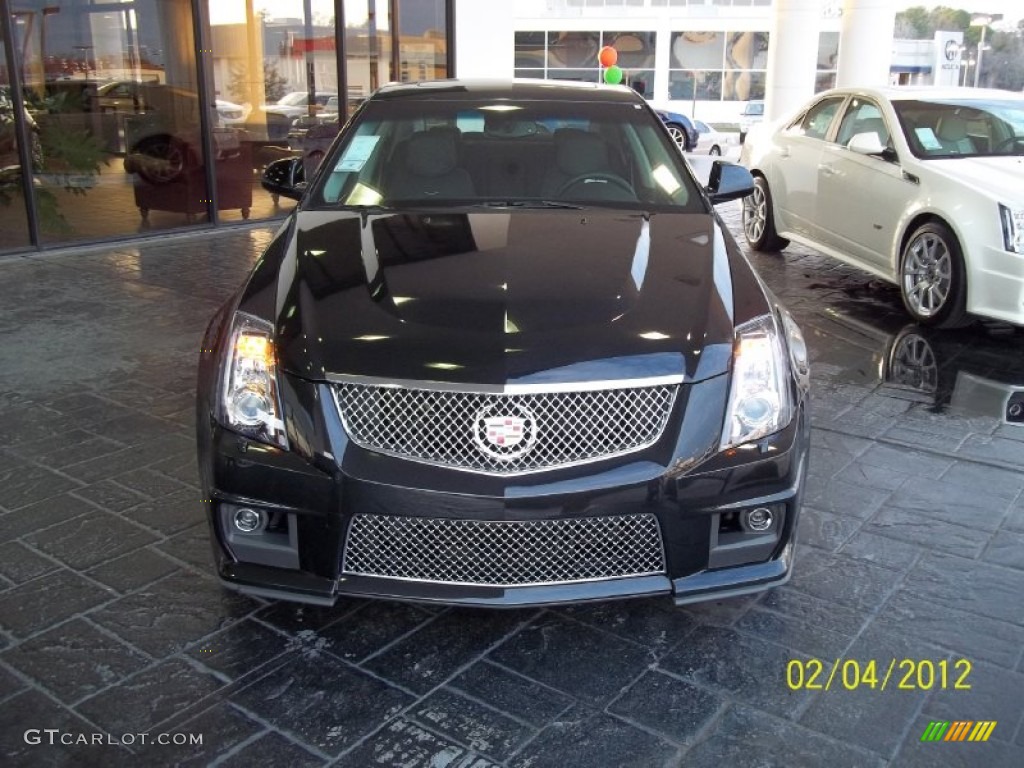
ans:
(933, 281)
(759, 219)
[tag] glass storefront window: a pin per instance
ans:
(275, 78)
(573, 49)
(367, 48)
(698, 50)
(422, 45)
(124, 143)
(112, 89)
(718, 66)
(530, 51)
(13, 216)
(828, 61)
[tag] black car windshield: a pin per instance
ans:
(506, 152)
(962, 127)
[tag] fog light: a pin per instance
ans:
(249, 520)
(757, 520)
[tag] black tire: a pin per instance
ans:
(932, 277)
(759, 219)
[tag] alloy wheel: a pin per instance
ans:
(678, 136)
(754, 214)
(927, 274)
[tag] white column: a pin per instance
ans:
(662, 60)
(792, 55)
(865, 43)
(484, 39)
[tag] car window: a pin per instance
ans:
(862, 116)
(400, 152)
(962, 127)
(815, 121)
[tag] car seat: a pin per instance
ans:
(426, 166)
(952, 134)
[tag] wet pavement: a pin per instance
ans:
(113, 629)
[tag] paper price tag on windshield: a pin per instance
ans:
(927, 138)
(357, 154)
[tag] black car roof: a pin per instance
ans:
(536, 90)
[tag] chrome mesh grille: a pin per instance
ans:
(504, 553)
(556, 428)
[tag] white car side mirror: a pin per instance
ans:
(866, 144)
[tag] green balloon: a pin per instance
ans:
(613, 75)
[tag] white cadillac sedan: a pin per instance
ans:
(923, 187)
(710, 141)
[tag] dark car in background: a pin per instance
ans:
(503, 352)
(680, 128)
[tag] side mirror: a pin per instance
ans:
(868, 144)
(728, 181)
(285, 177)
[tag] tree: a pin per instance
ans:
(274, 86)
(919, 23)
(1003, 64)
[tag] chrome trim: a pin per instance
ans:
(507, 389)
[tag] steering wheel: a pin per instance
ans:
(606, 182)
(1009, 141)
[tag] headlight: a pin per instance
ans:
(760, 400)
(250, 403)
(1013, 228)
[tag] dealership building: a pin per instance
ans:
(146, 116)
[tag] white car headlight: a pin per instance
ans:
(1013, 228)
(760, 399)
(250, 404)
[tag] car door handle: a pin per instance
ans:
(783, 151)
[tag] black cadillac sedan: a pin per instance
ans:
(503, 353)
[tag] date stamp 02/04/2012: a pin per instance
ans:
(878, 675)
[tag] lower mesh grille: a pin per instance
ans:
(504, 553)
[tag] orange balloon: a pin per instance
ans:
(608, 56)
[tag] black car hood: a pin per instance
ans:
(496, 297)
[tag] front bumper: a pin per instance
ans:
(314, 503)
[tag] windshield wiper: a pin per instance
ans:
(530, 204)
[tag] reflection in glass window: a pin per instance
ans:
(635, 49)
(13, 218)
(573, 49)
(641, 81)
(115, 104)
(530, 50)
(815, 122)
(726, 66)
(698, 50)
(571, 55)
(828, 61)
(422, 48)
(702, 85)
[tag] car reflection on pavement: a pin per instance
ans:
(971, 373)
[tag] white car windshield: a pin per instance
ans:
(962, 128)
